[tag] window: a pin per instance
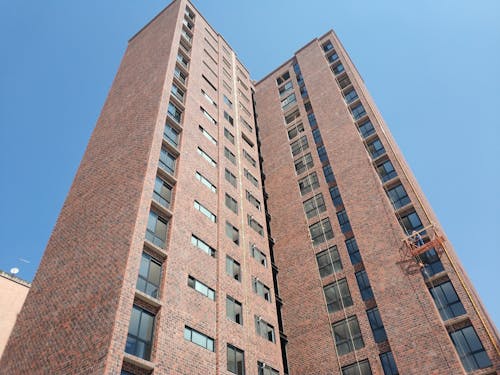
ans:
(312, 120)
(233, 268)
(235, 360)
(234, 310)
(323, 157)
(327, 46)
(205, 211)
(228, 117)
(321, 231)
(358, 368)
(258, 255)
(177, 92)
(344, 81)
(209, 99)
(228, 64)
(209, 68)
(207, 135)
(292, 116)
(284, 77)
(208, 116)
(337, 295)
(184, 61)
(229, 155)
(156, 231)
(244, 109)
(337, 69)
(227, 87)
(386, 171)
(358, 111)
(162, 192)
(205, 156)
(388, 364)
(364, 285)
(231, 178)
(140, 333)
(167, 161)
(201, 288)
(285, 88)
(328, 261)
(249, 158)
(288, 102)
(233, 233)
(347, 335)
(366, 129)
(447, 301)
(231, 203)
(149, 275)
(345, 224)
(398, 196)
(174, 112)
(353, 250)
(199, 338)
(264, 369)
(432, 263)
(247, 140)
(261, 289)
(181, 76)
(229, 136)
(470, 349)
(303, 91)
(328, 172)
(255, 225)
(264, 329)
(350, 96)
(171, 135)
(304, 163)
(375, 148)
(299, 146)
(335, 195)
(314, 206)
(308, 183)
(317, 136)
(254, 201)
(246, 124)
(205, 182)
(209, 83)
(202, 245)
(410, 222)
(376, 324)
(308, 106)
(333, 57)
(250, 177)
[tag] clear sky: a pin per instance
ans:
(433, 68)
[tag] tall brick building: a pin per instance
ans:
(199, 239)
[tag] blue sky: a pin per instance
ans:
(431, 66)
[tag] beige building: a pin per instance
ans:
(13, 292)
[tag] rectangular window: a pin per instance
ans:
(295, 130)
(366, 129)
(375, 148)
(234, 310)
(264, 329)
(199, 338)
(209, 99)
(231, 203)
(205, 211)
(317, 136)
(292, 116)
(247, 140)
(250, 177)
(209, 68)
(233, 268)
(227, 87)
(284, 77)
(167, 161)
(228, 64)
(337, 295)
(288, 102)
(201, 288)
(398, 196)
(229, 136)
(174, 112)
(432, 263)
(183, 60)
(410, 222)
(226, 73)
(156, 231)
(358, 111)
(327, 46)
(312, 120)
(335, 195)
(229, 155)
(328, 261)
(337, 69)
(388, 364)
(264, 369)
(303, 92)
(376, 324)
(358, 368)
(246, 124)
(233, 233)
(364, 285)
(249, 158)
(308, 183)
(208, 116)
(333, 57)
(261, 289)
(171, 135)
(323, 157)
(243, 96)
(254, 201)
(177, 92)
(304, 163)
(285, 88)
(258, 255)
(228, 117)
(350, 96)
(255, 225)
(162, 192)
(235, 360)
(202, 245)
(231, 178)
(321, 231)
(140, 333)
(328, 172)
(314, 206)
(353, 250)
(205, 181)
(180, 75)
(210, 57)
(345, 224)
(386, 171)
(299, 146)
(205, 156)
(447, 301)
(149, 276)
(209, 83)
(343, 81)
(347, 335)
(244, 109)
(470, 349)
(308, 106)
